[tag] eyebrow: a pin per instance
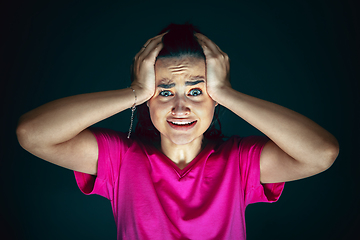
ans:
(192, 83)
(198, 79)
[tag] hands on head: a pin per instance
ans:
(144, 66)
(217, 65)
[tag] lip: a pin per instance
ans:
(184, 127)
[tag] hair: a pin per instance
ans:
(177, 43)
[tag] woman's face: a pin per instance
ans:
(181, 110)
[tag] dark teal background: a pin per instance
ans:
(303, 55)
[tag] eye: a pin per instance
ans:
(195, 92)
(165, 93)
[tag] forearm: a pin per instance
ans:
(60, 120)
(298, 136)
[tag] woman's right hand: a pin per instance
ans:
(57, 131)
(143, 67)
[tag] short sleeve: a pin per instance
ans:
(250, 150)
(112, 145)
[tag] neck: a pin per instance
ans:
(182, 155)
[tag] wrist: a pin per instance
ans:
(142, 95)
(216, 93)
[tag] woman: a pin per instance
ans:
(175, 178)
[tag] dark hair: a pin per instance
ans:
(178, 42)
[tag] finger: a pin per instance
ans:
(147, 64)
(206, 49)
(214, 50)
(146, 45)
(148, 60)
(154, 53)
(154, 38)
(142, 49)
(150, 47)
(207, 43)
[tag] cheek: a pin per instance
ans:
(211, 110)
(157, 111)
(210, 116)
(206, 111)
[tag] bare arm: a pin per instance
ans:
(298, 148)
(57, 131)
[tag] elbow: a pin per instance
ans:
(329, 154)
(23, 134)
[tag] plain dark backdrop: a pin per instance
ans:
(303, 55)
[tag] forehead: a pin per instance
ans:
(184, 66)
(185, 60)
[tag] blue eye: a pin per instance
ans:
(165, 93)
(195, 92)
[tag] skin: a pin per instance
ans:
(298, 147)
(57, 131)
(180, 98)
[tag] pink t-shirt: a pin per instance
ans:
(152, 198)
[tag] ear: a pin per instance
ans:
(216, 104)
(147, 103)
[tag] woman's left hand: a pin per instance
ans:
(217, 66)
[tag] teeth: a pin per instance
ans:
(181, 123)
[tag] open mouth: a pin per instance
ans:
(182, 125)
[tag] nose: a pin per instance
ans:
(180, 108)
